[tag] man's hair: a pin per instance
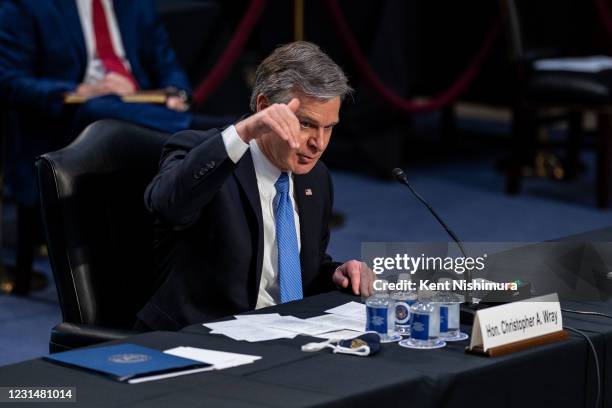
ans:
(299, 66)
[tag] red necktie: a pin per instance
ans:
(104, 44)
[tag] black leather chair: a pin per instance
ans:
(99, 235)
(551, 29)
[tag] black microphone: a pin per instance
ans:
(402, 178)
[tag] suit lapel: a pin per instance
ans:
(245, 175)
(309, 225)
(72, 22)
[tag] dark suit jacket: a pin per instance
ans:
(210, 239)
(43, 55)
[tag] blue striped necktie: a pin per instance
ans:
(289, 270)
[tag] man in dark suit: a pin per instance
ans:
(99, 49)
(243, 213)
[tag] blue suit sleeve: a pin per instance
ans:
(193, 167)
(19, 86)
(161, 60)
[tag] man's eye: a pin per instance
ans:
(305, 125)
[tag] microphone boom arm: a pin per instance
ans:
(402, 178)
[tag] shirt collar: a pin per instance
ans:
(264, 168)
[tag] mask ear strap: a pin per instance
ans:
(360, 351)
(310, 347)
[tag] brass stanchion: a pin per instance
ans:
(298, 20)
(7, 281)
(12, 279)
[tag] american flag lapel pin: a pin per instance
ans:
(308, 192)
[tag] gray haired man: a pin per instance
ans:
(243, 214)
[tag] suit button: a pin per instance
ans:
(196, 176)
(202, 172)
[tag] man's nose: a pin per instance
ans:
(317, 140)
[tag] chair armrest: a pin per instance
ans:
(68, 336)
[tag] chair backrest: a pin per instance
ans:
(542, 28)
(99, 234)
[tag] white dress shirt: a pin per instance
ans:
(267, 174)
(95, 69)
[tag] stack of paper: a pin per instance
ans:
(342, 322)
(339, 322)
(218, 359)
(270, 326)
(349, 320)
(355, 310)
(300, 326)
(250, 328)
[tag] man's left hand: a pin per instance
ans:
(357, 275)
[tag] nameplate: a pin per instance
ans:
(528, 322)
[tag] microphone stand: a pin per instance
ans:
(402, 178)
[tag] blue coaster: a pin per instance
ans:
(391, 339)
(460, 336)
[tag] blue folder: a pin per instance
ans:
(123, 362)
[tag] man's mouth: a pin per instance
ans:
(305, 159)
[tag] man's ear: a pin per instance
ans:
(262, 102)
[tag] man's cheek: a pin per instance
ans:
(283, 156)
(294, 160)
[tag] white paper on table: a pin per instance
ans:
(253, 333)
(219, 359)
(221, 325)
(259, 318)
(590, 64)
(168, 375)
(340, 322)
(243, 330)
(300, 326)
(259, 333)
(350, 309)
(339, 335)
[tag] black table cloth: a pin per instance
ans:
(555, 375)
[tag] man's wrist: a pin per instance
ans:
(234, 145)
(242, 131)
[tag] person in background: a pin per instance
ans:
(99, 50)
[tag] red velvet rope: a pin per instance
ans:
(231, 53)
(388, 95)
(251, 17)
